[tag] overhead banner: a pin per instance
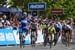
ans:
(34, 6)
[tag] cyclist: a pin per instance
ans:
(51, 32)
(33, 28)
(24, 25)
(67, 33)
(21, 36)
(45, 32)
(58, 29)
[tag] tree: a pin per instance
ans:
(2, 2)
(67, 5)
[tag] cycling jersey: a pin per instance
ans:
(58, 27)
(43, 26)
(69, 27)
(51, 30)
(65, 26)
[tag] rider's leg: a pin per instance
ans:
(45, 39)
(69, 37)
(55, 39)
(50, 40)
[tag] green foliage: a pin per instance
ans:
(2, 1)
(67, 5)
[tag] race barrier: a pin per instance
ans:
(16, 36)
(7, 37)
(11, 37)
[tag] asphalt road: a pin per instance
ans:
(59, 46)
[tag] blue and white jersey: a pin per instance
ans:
(24, 23)
(69, 27)
(58, 26)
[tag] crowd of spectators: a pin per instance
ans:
(14, 21)
(8, 23)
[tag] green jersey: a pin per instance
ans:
(44, 26)
(51, 30)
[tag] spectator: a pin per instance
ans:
(1, 24)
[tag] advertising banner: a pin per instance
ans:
(2, 38)
(37, 6)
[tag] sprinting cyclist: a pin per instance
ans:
(51, 33)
